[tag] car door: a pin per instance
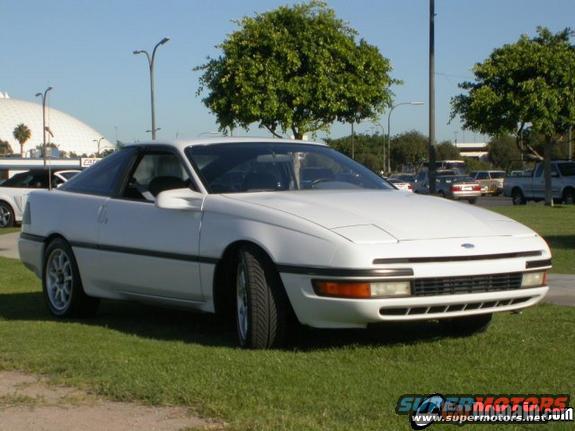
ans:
(147, 251)
(536, 187)
(538, 183)
(81, 201)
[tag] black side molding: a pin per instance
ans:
(32, 237)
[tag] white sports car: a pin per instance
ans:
(14, 191)
(272, 232)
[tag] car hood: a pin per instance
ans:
(404, 216)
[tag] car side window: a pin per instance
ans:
(17, 180)
(154, 173)
(482, 176)
(102, 178)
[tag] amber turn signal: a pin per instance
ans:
(342, 289)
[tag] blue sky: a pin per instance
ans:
(84, 50)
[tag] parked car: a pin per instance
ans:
(406, 178)
(491, 181)
(228, 225)
(14, 190)
(401, 185)
(532, 188)
(422, 179)
(458, 187)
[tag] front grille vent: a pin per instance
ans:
(466, 284)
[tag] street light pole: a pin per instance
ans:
(98, 142)
(151, 67)
(389, 130)
(43, 97)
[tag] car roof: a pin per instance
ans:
(182, 144)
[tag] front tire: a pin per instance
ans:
(468, 325)
(261, 303)
(61, 283)
(6, 215)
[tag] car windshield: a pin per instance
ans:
(251, 167)
(567, 169)
(498, 174)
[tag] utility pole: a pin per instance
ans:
(352, 142)
(431, 145)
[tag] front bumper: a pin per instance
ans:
(325, 312)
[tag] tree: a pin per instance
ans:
(472, 164)
(5, 148)
(22, 133)
(446, 151)
(409, 149)
(527, 83)
(296, 68)
(367, 149)
(503, 152)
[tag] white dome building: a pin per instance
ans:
(69, 133)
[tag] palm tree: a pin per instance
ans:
(22, 133)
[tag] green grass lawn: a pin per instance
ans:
(9, 230)
(331, 380)
(556, 225)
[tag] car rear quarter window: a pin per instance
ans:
(103, 177)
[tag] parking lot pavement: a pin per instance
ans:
(494, 201)
(561, 292)
(562, 289)
(9, 245)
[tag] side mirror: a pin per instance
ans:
(180, 199)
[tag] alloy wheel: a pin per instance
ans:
(5, 216)
(242, 300)
(59, 279)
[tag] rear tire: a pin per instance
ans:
(262, 305)
(517, 197)
(568, 197)
(61, 283)
(473, 201)
(468, 325)
(6, 215)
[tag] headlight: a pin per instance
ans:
(534, 279)
(362, 290)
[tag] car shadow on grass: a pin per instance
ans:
(206, 329)
(560, 241)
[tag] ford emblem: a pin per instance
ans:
(467, 245)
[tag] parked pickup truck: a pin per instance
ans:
(531, 187)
